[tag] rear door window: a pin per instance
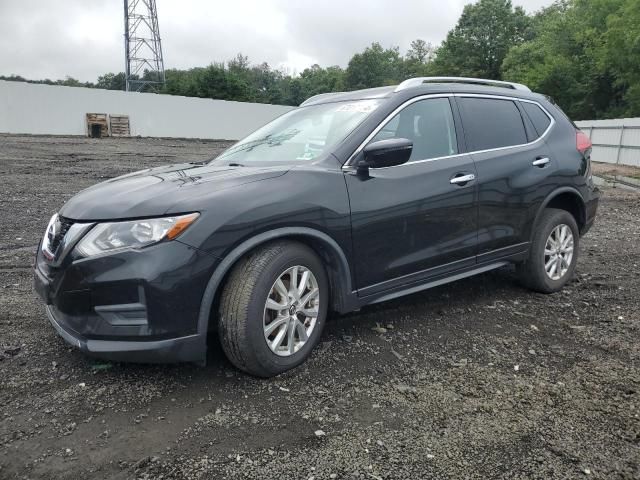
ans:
(540, 120)
(491, 123)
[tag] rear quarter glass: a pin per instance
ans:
(540, 120)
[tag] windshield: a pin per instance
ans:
(301, 135)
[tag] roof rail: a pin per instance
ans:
(318, 97)
(414, 82)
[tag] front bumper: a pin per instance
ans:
(134, 306)
(191, 348)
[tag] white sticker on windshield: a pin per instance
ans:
(360, 107)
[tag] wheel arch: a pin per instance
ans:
(343, 299)
(564, 198)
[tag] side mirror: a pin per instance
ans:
(385, 153)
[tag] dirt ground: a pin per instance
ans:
(612, 170)
(476, 379)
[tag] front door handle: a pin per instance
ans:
(540, 162)
(462, 179)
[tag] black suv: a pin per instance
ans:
(351, 199)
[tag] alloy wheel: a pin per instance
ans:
(558, 252)
(291, 310)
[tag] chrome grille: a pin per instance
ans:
(54, 235)
(62, 227)
(60, 237)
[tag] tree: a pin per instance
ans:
(111, 81)
(561, 58)
(374, 67)
(240, 63)
(620, 53)
(292, 91)
(15, 78)
(420, 52)
(584, 53)
(315, 80)
(264, 83)
(216, 81)
(69, 82)
(418, 58)
(478, 44)
(181, 82)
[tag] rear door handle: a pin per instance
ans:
(540, 162)
(462, 179)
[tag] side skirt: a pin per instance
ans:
(409, 289)
(485, 262)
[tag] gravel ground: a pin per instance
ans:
(476, 379)
(611, 169)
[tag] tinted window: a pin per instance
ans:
(491, 123)
(539, 119)
(428, 124)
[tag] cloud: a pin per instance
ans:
(44, 39)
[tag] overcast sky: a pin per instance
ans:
(84, 38)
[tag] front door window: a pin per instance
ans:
(428, 124)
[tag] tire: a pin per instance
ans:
(532, 272)
(243, 311)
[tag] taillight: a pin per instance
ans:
(583, 143)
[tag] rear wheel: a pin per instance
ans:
(553, 252)
(273, 308)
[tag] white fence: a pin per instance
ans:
(614, 141)
(54, 110)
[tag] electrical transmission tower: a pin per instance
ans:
(143, 51)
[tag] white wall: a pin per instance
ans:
(54, 110)
(614, 141)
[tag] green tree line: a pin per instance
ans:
(585, 54)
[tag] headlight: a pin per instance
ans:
(107, 237)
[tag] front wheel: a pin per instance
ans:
(553, 252)
(273, 308)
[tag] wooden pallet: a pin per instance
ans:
(98, 119)
(119, 125)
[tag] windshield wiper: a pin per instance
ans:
(233, 164)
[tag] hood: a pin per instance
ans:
(155, 191)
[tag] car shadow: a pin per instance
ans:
(478, 290)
